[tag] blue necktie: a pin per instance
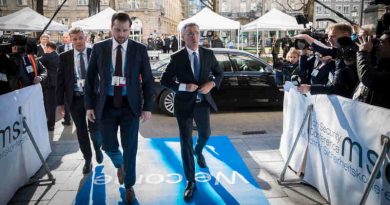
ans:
(196, 67)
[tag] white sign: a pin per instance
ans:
(344, 144)
(18, 158)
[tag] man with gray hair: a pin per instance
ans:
(70, 90)
(188, 75)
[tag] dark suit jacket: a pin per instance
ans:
(40, 50)
(61, 48)
(179, 71)
(66, 78)
(50, 61)
(139, 78)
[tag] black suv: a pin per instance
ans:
(248, 81)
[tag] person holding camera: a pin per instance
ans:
(315, 69)
(373, 88)
(31, 71)
(8, 74)
(343, 51)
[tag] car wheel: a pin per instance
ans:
(166, 102)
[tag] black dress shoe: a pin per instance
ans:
(67, 123)
(99, 156)
(87, 167)
(189, 191)
(201, 161)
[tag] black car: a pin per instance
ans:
(248, 81)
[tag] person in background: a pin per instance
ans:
(51, 61)
(275, 49)
(290, 67)
(174, 44)
(66, 46)
(42, 45)
(315, 69)
(216, 42)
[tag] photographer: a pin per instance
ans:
(374, 85)
(31, 71)
(342, 50)
(8, 74)
(315, 69)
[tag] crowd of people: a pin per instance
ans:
(352, 68)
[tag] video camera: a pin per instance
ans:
(25, 44)
(316, 34)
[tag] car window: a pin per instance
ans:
(224, 62)
(247, 63)
(161, 64)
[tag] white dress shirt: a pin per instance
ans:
(182, 86)
(124, 48)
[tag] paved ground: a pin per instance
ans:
(259, 151)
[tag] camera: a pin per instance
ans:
(26, 44)
(319, 35)
(347, 50)
(376, 2)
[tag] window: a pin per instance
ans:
(82, 2)
(103, 2)
(60, 2)
(242, 7)
(339, 8)
(224, 62)
(346, 9)
(134, 4)
(3, 2)
(254, 6)
(21, 2)
(63, 20)
(45, 2)
(319, 9)
(246, 63)
(225, 7)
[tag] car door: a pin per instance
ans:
(254, 80)
(227, 92)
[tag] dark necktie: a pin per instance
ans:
(117, 101)
(196, 67)
(82, 66)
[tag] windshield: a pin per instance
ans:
(160, 65)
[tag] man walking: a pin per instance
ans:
(188, 75)
(125, 74)
(70, 90)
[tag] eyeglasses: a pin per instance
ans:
(192, 33)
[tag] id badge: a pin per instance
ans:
(29, 69)
(118, 81)
(314, 73)
(81, 83)
(115, 81)
(122, 81)
(3, 77)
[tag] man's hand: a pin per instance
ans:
(191, 87)
(205, 88)
(61, 110)
(37, 79)
(145, 116)
(365, 43)
(91, 115)
(304, 88)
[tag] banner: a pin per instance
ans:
(18, 157)
(344, 143)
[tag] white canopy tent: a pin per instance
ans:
(209, 20)
(273, 20)
(98, 22)
(28, 20)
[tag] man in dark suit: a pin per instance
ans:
(66, 43)
(42, 44)
(167, 44)
(66, 46)
(70, 90)
(125, 74)
(188, 74)
(50, 60)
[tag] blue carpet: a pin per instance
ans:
(161, 180)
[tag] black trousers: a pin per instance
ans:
(201, 115)
(49, 97)
(79, 115)
(67, 113)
